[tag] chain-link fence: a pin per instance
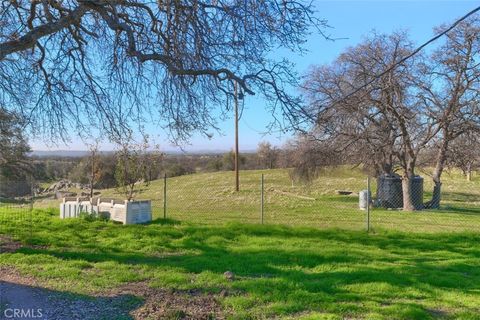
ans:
(207, 198)
(459, 208)
(338, 198)
(16, 211)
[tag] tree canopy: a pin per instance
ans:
(80, 64)
(388, 104)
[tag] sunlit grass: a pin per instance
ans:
(210, 198)
(413, 265)
(280, 271)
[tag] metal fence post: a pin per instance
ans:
(262, 202)
(368, 204)
(165, 196)
(32, 200)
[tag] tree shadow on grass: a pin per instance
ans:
(162, 221)
(460, 196)
(445, 208)
(394, 266)
(455, 209)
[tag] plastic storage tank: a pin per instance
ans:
(124, 211)
(390, 194)
(364, 197)
(417, 192)
(131, 212)
(73, 207)
(389, 191)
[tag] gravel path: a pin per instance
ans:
(19, 301)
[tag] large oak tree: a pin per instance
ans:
(70, 65)
(384, 116)
(450, 91)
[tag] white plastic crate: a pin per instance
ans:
(132, 212)
(73, 207)
(126, 212)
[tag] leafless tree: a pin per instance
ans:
(308, 155)
(451, 93)
(464, 153)
(385, 116)
(93, 162)
(359, 128)
(131, 165)
(81, 63)
(267, 155)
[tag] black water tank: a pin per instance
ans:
(390, 195)
(417, 192)
(389, 191)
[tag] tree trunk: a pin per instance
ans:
(92, 177)
(91, 185)
(91, 181)
(407, 192)
(407, 183)
(436, 196)
(130, 191)
(469, 172)
(434, 203)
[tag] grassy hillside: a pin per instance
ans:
(280, 272)
(210, 198)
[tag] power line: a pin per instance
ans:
(414, 52)
(253, 129)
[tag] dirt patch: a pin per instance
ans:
(172, 304)
(9, 274)
(134, 301)
(438, 313)
(8, 245)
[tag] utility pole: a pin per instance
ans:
(237, 178)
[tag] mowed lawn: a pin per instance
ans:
(209, 198)
(280, 272)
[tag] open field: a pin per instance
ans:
(282, 272)
(210, 198)
(410, 267)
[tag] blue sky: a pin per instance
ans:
(348, 19)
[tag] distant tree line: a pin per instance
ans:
(156, 164)
(15, 167)
(302, 155)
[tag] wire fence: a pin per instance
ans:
(16, 213)
(338, 198)
(331, 201)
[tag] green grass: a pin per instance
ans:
(416, 265)
(281, 272)
(210, 198)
